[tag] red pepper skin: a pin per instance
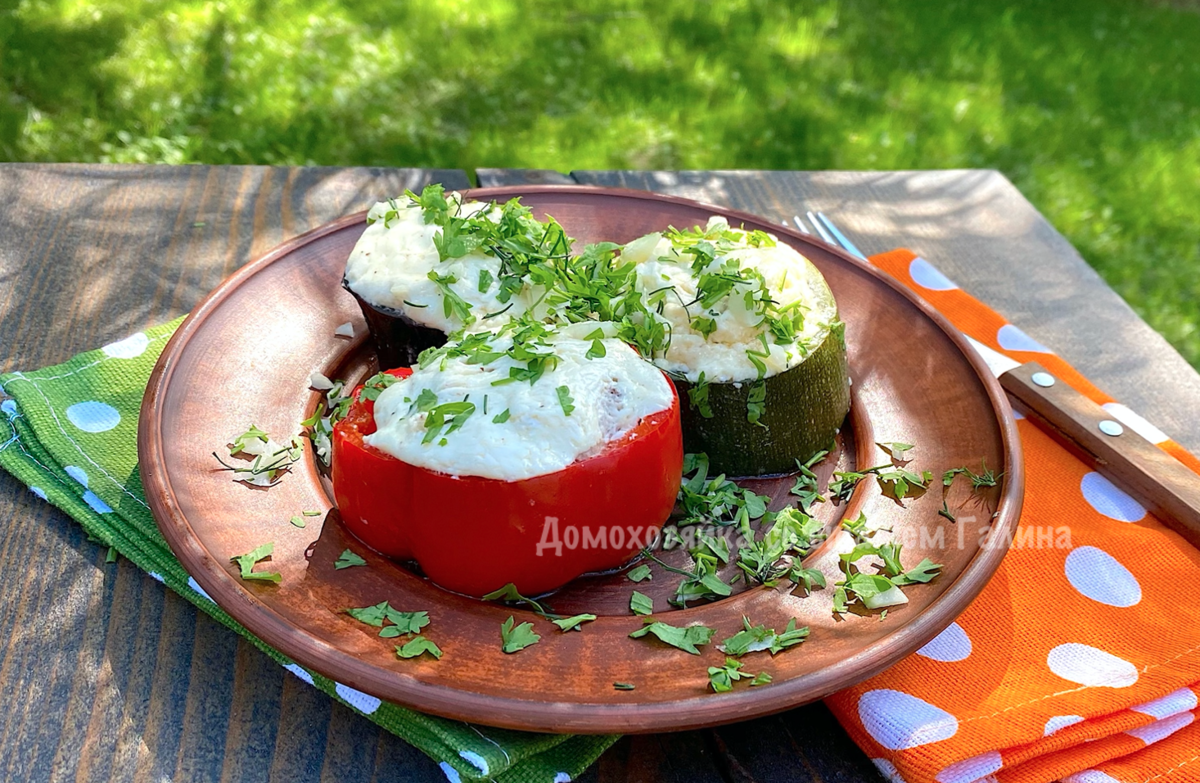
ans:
(473, 535)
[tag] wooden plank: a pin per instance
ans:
(490, 178)
(107, 675)
(977, 228)
(683, 757)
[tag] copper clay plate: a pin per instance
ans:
(245, 355)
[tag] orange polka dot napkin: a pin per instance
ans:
(1080, 661)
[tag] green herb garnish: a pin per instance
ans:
(640, 573)
(270, 459)
(417, 646)
(686, 639)
(348, 560)
(896, 451)
(247, 562)
(757, 638)
(565, 400)
(573, 623)
(756, 404)
(509, 594)
(640, 603)
(514, 639)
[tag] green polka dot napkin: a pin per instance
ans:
(69, 433)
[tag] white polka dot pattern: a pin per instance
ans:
(475, 760)
(363, 702)
(888, 770)
(77, 473)
(1099, 576)
(300, 672)
(1060, 722)
(1091, 776)
(96, 504)
(192, 583)
(131, 347)
(897, 720)
(93, 416)
(1182, 700)
(949, 646)
(1160, 730)
(1087, 665)
(928, 276)
(972, 769)
(1011, 338)
(1102, 495)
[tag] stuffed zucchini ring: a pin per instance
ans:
(432, 265)
(749, 330)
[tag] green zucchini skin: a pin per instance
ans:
(804, 408)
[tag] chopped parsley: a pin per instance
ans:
(348, 559)
(986, 478)
(896, 451)
(514, 639)
(640, 603)
(418, 646)
(402, 623)
(247, 562)
(446, 419)
(792, 535)
(565, 400)
(698, 397)
(573, 623)
(757, 638)
(722, 678)
(882, 588)
(756, 404)
(328, 413)
(688, 639)
(374, 386)
(640, 573)
(270, 461)
(509, 595)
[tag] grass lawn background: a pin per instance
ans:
(1092, 107)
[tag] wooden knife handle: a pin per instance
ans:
(1151, 476)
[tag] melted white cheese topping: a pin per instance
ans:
(722, 357)
(611, 395)
(391, 262)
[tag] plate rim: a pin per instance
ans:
(510, 711)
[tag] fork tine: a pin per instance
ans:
(820, 228)
(841, 238)
(800, 225)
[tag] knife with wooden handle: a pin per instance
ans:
(1151, 476)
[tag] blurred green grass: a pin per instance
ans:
(1092, 107)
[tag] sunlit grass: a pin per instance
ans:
(1092, 107)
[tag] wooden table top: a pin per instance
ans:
(109, 676)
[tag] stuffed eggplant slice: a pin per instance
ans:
(499, 446)
(748, 329)
(432, 265)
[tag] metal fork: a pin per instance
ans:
(827, 231)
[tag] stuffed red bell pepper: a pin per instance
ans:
(522, 456)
